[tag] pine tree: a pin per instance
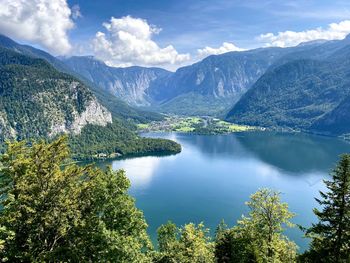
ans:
(331, 235)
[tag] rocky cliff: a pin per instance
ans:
(36, 100)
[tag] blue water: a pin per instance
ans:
(214, 175)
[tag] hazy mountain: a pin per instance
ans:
(336, 121)
(129, 84)
(207, 87)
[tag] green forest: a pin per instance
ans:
(96, 142)
(53, 210)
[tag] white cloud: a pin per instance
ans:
(76, 13)
(43, 22)
(128, 41)
(226, 47)
(291, 38)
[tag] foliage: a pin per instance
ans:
(189, 244)
(56, 211)
(115, 140)
(53, 210)
(331, 235)
(258, 238)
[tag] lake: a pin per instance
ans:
(214, 175)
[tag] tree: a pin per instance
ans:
(331, 234)
(189, 244)
(167, 236)
(53, 210)
(258, 237)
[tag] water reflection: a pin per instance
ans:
(295, 154)
(139, 170)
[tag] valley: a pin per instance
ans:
(175, 131)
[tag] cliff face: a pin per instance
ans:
(36, 100)
(129, 84)
(221, 76)
(94, 113)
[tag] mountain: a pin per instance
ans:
(208, 87)
(38, 101)
(336, 122)
(212, 85)
(308, 91)
(27, 50)
(129, 84)
(116, 106)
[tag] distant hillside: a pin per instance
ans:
(209, 87)
(302, 93)
(336, 121)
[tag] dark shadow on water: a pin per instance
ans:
(294, 153)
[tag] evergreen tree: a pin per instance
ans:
(331, 235)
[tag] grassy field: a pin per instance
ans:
(199, 125)
(235, 127)
(142, 126)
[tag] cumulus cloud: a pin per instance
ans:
(226, 47)
(44, 22)
(128, 41)
(291, 38)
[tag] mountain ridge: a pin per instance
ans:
(308, 92)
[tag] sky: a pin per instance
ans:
(169, 33)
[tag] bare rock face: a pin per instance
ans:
(5, 129)
(129, 84)
(94, 113)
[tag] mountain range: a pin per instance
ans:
(304, 87)
(208, 87)
(220, 85)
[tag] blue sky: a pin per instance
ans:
(176, 29)
(192, 24)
